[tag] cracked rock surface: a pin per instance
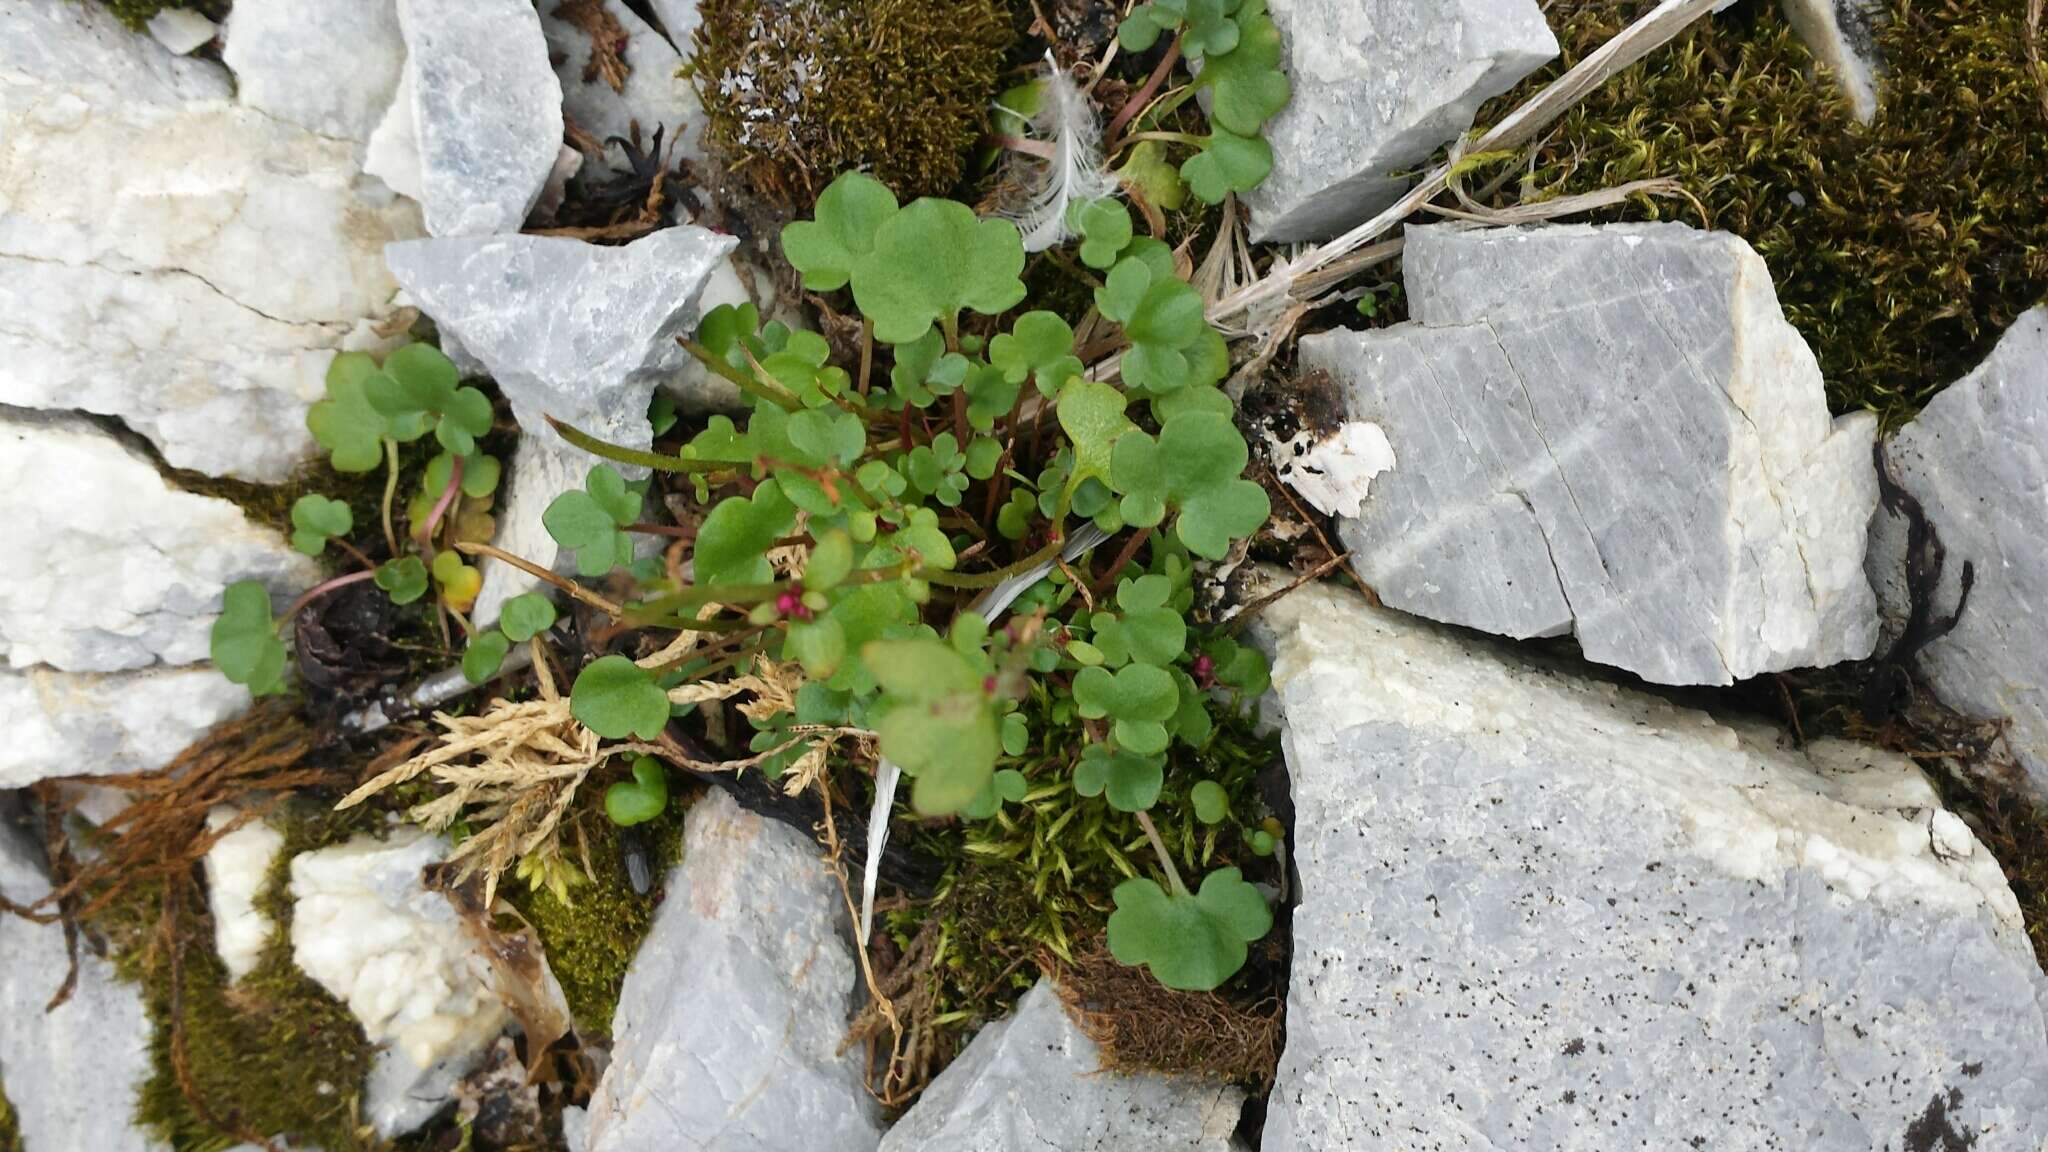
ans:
(567, 329)
(171, 257)
(1541, 912)
(1035, 1081)
(329, 66)
(732, 1013)
(1378, 86)
(1613, 432)
(1976, 458)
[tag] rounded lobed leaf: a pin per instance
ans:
(644, 797)
(618, 699)
(245, 646)
(525, 616)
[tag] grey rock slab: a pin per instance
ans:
(118, 569)
(729, 1025)
(73, 724)
(328, 66)
(1613, 432)
(655, 94)
(1976, 458)
(72, 1075)
(1542, 912)
(1842, 35)
(487, 110)
(1034, 1081)
(198, 288)
(1379, 85)
(572, 330)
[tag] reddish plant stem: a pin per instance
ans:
(323, 588)
(663, 530)
(1107, 580)
(424, 534)
(1141, 97)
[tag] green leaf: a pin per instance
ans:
(1039, 345)
(466, 416)
(1139, 696)
(849, 213)
(1210, 32)
(1140, 30)
(645, 796)
(480, 475)
(484, 656)
(525, 616)
(1211, 802)
(661, 411)
(245, 646)
(733, 542)
(932, 259)
(315, 519)
(1163, 319)
(403, 579)
(1092, 413)
(344, 422)
(617, 698)
(1105, 227)
(1246, 85)
(1261, 842)
(1149, 631)
(830, 561)
(1190, 942)
(1130, 782)
(1006, 786)
(589, 521)
(938, 724)
(1227, 163)
(1154, 176)
(1195, 467)
(609, 489)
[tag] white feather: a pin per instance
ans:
(1074, 174)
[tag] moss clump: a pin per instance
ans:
(136, 13)
(590, 942)
(10, 1132)
(1901, 250)
(797, 91)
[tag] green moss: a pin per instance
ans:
(1901, 250)
(10, 1132)
(590, 941)
(136, 13)
(797, 91)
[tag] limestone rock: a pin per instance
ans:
(1540, 912)
(70, 724)
(680, 19)
(1976, 458)
(1842, 35)
(182, 30)
(118, 570)
(328, 66)
(653, 92)
(237, 868)
(729, 1026)
(1611, 431)
(72, 1075)
(1379, 85)
(487, 109)
(196, 289)
(369, 931)
(393, 151)
(571, 330)
(1034, 1081)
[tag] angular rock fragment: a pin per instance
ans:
(72, 1075)
(117, 569)
(368, 930)
(487, 110)
(1976, 460)
(729, 1026)
(1035, 1081)
(1842, 35)
(1613, 432)
(196, 288)
(571, 330)
(1540, 912)
(651, 91)
(237, 868)
(85, 724)
(1378, 86)
(329, 66)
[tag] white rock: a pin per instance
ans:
(1976, 458)
(1542, 912)
(393, 152)
(655, 94)
(1611, 431)
(1842, 35)
(567, 329)
(328, 66)
(70, 724)
(72, 1075)
(487, 110)
(729, 1026)
(1035, 1081)
(365, 927)
(124, 570)
(1378, 85)
(182, 30)
(1333, 473)
(197, 288)
(237, 868)
(680, 19)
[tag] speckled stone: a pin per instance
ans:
(1539, 912)
(1611, 432)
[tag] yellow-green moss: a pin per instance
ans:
(10, 1132)
(1901, 250)
(590, 942)
(797, 91)
(136, 13)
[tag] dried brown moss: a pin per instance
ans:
(1899, 250)
(1144, 1026)
(797, 91)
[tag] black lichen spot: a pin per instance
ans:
(1576, 1048)
(1936, 1130)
